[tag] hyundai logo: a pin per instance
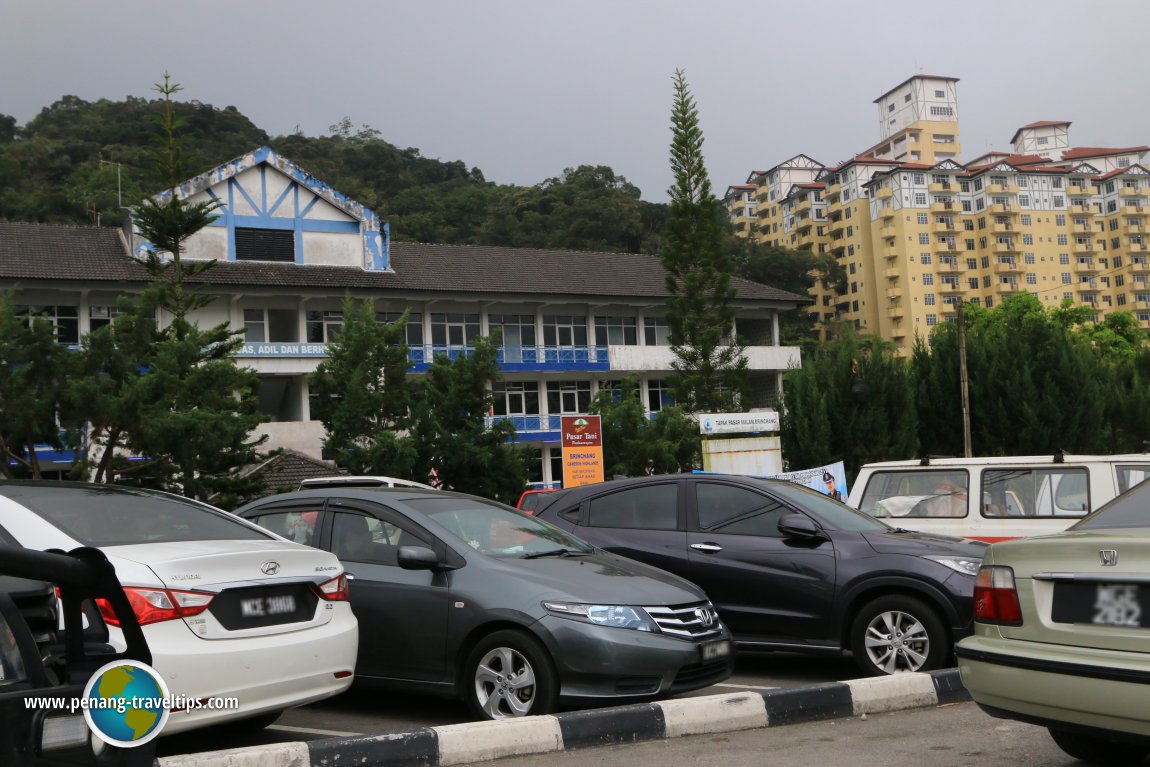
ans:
(705, 616)
(1108, 557)
(270, 568)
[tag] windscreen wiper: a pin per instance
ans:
(555, 553)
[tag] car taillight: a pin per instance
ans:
(157, 605)
(996, 598)
(335, 590)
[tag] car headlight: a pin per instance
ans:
(616, 616)
(963, 565)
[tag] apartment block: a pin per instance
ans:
(919, 232)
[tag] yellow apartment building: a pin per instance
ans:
(918, 232)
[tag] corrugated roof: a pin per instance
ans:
(93, 254)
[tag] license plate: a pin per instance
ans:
(1102, 604)
(259, 607)
(715, 650)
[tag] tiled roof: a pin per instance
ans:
(1085, 151)
(284, 472)
(93, 254)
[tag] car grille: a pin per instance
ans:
(698, 621)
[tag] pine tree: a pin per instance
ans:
(710, 369)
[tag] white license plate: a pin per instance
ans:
(713, 650)
(259, 607)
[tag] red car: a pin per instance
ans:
(530, 500)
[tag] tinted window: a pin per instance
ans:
(96, 516)
(494, 529)
(737, 511)
(651, 507)
(11, 662)
(830, 512)
(359, 538)
(916, 493)
(296, 525)
(1131, 509)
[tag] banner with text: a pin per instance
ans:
(582, 442)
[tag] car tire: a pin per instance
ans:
(509, 674)
(250, 724)
(896, 634)
(1097, 749)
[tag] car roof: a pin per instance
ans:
(565, 494)
(1008, 460)
(361, 481)
(365, 493)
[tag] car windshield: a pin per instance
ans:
(832, 513)
(1127, 510)
(497, 530)
(97, 516)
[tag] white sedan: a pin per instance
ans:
(229, 610)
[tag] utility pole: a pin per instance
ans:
(967, 450)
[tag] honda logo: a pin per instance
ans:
(705, 616)
(270, 568)
(1108, 557)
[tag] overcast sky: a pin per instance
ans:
(522, 89)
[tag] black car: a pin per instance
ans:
(466, 597)
(788, 568)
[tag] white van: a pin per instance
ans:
(994, 499)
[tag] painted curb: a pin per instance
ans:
(483, 741)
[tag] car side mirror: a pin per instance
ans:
(417, 558)
(800, 526)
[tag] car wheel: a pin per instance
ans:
(1097, 749)
(895, 634)
(509, 674)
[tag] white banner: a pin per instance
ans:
(829, 480)
(738, 423)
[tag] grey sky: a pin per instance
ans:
(525, 88)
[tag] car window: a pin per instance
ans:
(834, 514)
(494, 529)
(11, 662)
(916, 493)
(1046, 492)
(650, 507)
(1129, 476)
(737, 510)
(1131, 509)
(296, 525)
(360, 538)
(96, 516)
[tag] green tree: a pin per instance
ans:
(852, 401)
(33, 373)
(710, 369)
(449, 427)
(362, 396)
(635, 445)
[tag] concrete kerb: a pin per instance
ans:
(483, 741)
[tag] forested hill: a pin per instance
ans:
(78, 162)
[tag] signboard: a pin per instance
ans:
(829, 480)
(738, 423)
(582, 441)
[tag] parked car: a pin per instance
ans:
(994, 499)
(787, 567)
(40, 688)
(530, 499)
(1062, 633)
(228, 609)
(466, 597)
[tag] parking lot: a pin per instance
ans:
(370, 712)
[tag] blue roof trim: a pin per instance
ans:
(375, 232)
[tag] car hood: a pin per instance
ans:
(602, 578)
(922, 544)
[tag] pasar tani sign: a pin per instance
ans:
(582, 442)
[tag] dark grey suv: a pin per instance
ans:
(788, 567)
(467, 597)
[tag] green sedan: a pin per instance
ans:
(1062, 633)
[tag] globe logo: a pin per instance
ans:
(126, 703)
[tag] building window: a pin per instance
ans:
(1025, 217)
(265, 244)
(1043, 140)
(940, 94)
(928, 299)
(616, 331)
(928, 279)
(931, 320)
(255, 326)
(923, 218)
(919, 178)
(568, 397)
(454, 330)
(1066, 278)
(942, 111)
(924, 238)
(515, 398)
(323, 326)
(65, 320)
(924, 257)
(100, 316)
(656, 331)
(413, 332)
(564, 330)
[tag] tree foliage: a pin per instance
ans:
(635, 445)
(710, 370)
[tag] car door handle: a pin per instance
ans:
(708, 547)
